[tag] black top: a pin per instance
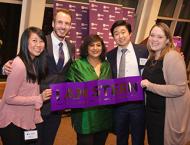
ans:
(155, 104)
(153, 72)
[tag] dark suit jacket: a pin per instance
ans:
(0, 70)
(54, 76)
(140, 52)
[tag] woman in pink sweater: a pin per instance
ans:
(21, 102)
(167, 92)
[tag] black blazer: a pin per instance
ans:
(1, 70)
(140, 52)
(54, 76)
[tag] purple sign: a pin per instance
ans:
(94, 18)
(101, 18)
(95, 93)
(128, 16)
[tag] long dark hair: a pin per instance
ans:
(36, 68)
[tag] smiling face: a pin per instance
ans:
(157, 40)
(95, 49)
(61, 25)
(121, 36)
(35, 45)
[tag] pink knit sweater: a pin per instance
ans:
(20, 99)
(177, 116)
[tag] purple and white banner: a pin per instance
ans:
(94, 18)
(95, 93)
(80, 19)
(101, 18)
(128, 16)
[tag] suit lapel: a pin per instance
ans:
(113, 62)
(50, 51)
(70, 48)
(137, 53)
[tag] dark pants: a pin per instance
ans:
(48, 129)
(155, 126)
(13, 135)
(92, 139)
(130, 118)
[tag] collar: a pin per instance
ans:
(129, 47)
(55, 39)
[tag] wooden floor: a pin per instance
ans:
(66, 135)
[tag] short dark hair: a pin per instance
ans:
(121, 23)
(36, 69)
(87, 41)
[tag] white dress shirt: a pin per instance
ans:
(131, 65)
(56, 42)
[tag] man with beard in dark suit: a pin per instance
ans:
(128, 117)
(61, 26)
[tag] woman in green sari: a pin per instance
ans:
(91, 124)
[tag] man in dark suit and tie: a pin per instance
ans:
(127, 60)
(59, 56)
